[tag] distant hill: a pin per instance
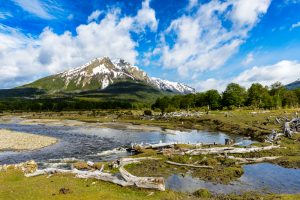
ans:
(21, 92)
(294, 85)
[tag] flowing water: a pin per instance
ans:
(95, 144)
(87, 143)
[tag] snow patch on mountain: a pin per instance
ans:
(106, 71)
(171, 86)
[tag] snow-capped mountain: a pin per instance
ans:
(171, 86)
(99, 73)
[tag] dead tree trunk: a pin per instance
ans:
(189, 165)
(157, 183)
(291, 127)
(228, 150)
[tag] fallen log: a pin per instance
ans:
(143, 182)
(189, 165)
(127, 179)
(126, 161)
(251, 160)
(274, 136)
(291, 126)
(82, 174)
(228, 150)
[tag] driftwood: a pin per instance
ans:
(143, 182)
(291, 126)
(128, 179)
(189, 165)
(250, 160)
(232, 150)
(83, 174)
(274, 136)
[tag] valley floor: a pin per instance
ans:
(254, 124)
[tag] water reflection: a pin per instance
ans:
(84, 142)
(263, 177)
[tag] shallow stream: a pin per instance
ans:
(94, 144)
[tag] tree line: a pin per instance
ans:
(234, 96)
(59, 104)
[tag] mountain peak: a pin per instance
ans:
(101, 72)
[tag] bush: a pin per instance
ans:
(148, 112)
(202, 193)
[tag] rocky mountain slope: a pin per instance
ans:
(293, 85)
(100, 73)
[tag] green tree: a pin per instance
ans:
(213, 99)
(162, 104)
(290, 99)
(297, 92)
(277, 91)
(187, 102)
(234, 95)
(200, 99)
(258, 96)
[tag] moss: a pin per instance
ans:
(81, 166)
(219, 174)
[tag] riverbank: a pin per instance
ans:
(19, 141)
(252, 123)
(15, 186)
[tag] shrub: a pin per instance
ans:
(148, 112)
(202, 193)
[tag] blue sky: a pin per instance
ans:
(205, 44)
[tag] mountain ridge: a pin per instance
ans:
(99, 73)
(293, 85)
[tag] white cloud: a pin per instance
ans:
(247, 12)
(35, 7)
(248, 59)
(202, 41)
(94, 16)
(210, 84)
(296, 25)
(285, 71)
(192, 4)
(25, 59)
(146, 16)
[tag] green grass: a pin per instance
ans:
(14, 186)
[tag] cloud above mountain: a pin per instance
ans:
(29, 57)
(192, 41)
(206, 37)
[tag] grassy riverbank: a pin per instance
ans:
(14, 186)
